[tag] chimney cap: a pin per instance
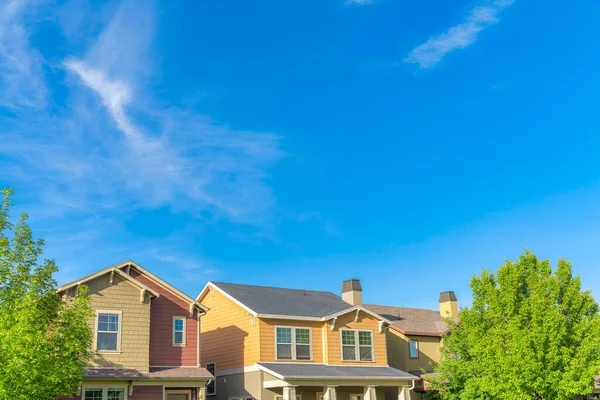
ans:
(447, 296)
(351, 285)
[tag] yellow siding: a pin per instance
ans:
(267, 338)
(135, 326)
(365, 322)
(227, 334)
(429, 351)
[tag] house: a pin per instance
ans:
(414, 338)
(270, 343)
(146, 337)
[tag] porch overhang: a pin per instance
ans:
(156, 374)
(291, 374)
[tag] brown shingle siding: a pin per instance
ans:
(135, 326)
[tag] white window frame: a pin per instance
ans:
(184, 332)
(119, 333)
(214, 381)
(104, 387)
(361, 396)
(293, 344)
(357, 345)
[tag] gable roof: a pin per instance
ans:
(268, 300)
(160, 282)
(412, 321)
(103, 272)
(273, 302)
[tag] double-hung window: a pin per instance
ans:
(413, 349)
(293, 343)
(108, 331)
(104, 394)
(178, 331)
(357, 345)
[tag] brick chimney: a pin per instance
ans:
(448, 305)
(352, 292)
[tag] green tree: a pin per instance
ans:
(531, 333)
(44, 341)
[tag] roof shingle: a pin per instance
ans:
(321, 371)
(412, 320)
(280, 301)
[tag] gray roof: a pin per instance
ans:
(156, 373)
(412, 320)
(321, 371)
(280, 301)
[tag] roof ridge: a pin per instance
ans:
(405, 308)
(274, 287)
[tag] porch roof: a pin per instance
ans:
(292, 371)
(156, 373)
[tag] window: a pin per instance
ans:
(108, 331)
(356, 397)
(211, 388)
(298, 397)
(413, 349)
(104, 394)
(93, 394)
(357, 345)
(293, 343)
(115, 394)
(178, 331)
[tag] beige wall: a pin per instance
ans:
(249, 384)
(398, 356)
(366, 322)
(227, 335)
(135, 325)
(267, 338)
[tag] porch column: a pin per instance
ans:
(201, 393)
(370, 393)
(289, 393)
(329, 393)
(402, 393)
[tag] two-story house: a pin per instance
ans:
(271, 343)
(414, 339)
(146, 337)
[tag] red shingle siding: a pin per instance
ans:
(146, 393)
(162, 311)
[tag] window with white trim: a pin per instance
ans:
(357, 345)
(106, 393)
(293, 343)
(413, 349)
(108, 331)
(179, 331)
(211, 388)
(298, 397)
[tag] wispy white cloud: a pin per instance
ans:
(459, 36)
(21, 74)
(360, 2)
(145, 154)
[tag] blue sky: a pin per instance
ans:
(298, 144)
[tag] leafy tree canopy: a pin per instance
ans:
(44, 341)
(531, 333)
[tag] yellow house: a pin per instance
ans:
(414, 338)
(271, 343)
